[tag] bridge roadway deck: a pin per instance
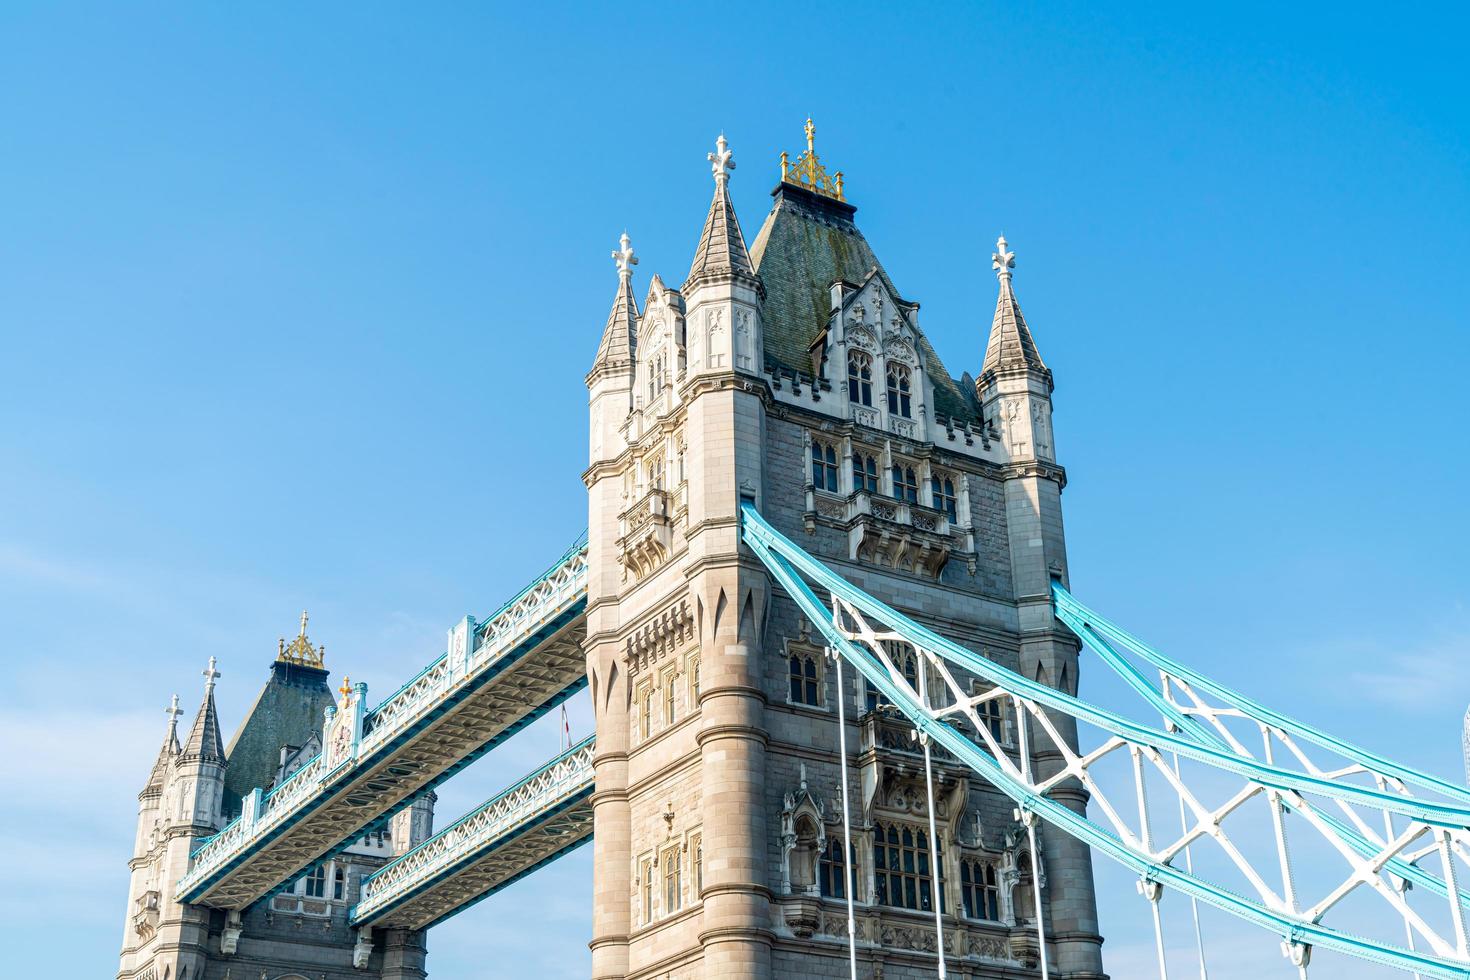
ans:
(495, 679)
(536, 821)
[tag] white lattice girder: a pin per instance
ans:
(539, 818)
(521, 661)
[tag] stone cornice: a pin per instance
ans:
(1036, 468)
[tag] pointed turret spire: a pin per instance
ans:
(1010, 346)
(169, 749)
(204, 743)
(722, 250)
(620, 336)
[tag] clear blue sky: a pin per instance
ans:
(296, 302)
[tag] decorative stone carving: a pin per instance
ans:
(987, 947)
(146, 914)
(803, 836)
(648, 533)
(716, 328)
(665, 633)
(898, 349)
(363, 950)
(803, 916)
(861, 337)
(229, 937)
(1014, 412)
(1041, 428)
(744, 341)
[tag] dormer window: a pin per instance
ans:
(899, 400)
(824, 467)
(859, 378)
(905, 484)
(864, 472)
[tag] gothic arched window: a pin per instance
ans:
(824, 466)
(834, 869)
(673, 881)
(899, 402)
(873, 698)
(339, 884)
(944, 496)
(859, 378)
(802, 673)
(905, 484)
(901, 869)
(698, 848)
(980, 890)
(864, 472)
(316, 882)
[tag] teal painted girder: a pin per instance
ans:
(516, 639)
(538, 819)
(788, 563)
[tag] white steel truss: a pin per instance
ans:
(494, 679)
(539, 818)
(1337, 808)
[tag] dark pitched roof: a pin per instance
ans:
(620, 336)
(287, 711)
(204, 743)
(1011, 345)
(808, 242)
(721, 249)
(166, 754)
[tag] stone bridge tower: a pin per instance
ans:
(195, 788)
(793, 373)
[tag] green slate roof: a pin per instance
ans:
(807, 243)
(287, 710)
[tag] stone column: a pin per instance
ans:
(1049, 653)
(404, 955)
(612, 837)
(732, 740)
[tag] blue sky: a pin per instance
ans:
(296, 303)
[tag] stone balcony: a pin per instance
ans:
(893, 533)
(646, 531)
(146, 914)
(884, 731)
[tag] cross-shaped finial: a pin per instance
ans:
(173, 711)
(345, 689)
(722, 161)
(1002, 260)
(624, 257)
(811, 136)
(211, 675)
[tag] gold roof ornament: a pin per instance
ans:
(301, 652)
(807, 172)
(346, 691)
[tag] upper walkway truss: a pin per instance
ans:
(496, 678)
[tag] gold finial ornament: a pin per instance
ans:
(345, 690)
(301, 652)
(807, 172)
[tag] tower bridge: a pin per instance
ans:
(807, 542)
